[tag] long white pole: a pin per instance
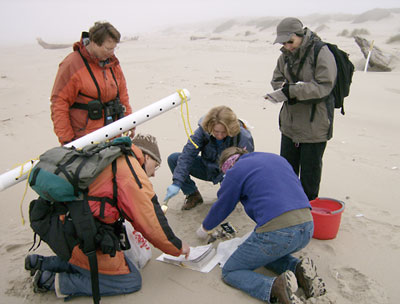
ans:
(116, 128)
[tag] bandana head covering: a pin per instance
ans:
(229, 162)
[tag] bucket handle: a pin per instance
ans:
(340, 202)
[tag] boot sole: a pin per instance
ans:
(312, 284)
(36, 279)
(291, 288)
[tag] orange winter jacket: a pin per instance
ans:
(138, 204)
(73, 83)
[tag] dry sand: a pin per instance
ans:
(361, 163)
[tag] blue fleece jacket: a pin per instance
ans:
(264, 183)
(210, 151)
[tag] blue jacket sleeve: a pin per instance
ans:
(188, 155)
(228, 198)
(246, 140)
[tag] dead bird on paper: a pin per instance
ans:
(227, 231)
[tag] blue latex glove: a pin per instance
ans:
(172, 190)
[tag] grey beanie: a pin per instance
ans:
(148, 144)
(286, 28)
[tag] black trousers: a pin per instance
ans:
(306, 160)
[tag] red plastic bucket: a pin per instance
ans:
(326, 213)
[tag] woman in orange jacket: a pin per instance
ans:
(90, 88)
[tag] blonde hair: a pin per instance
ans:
(221, 115)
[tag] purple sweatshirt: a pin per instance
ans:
(264, 183)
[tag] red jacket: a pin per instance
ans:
(141, 207)
(73, 83)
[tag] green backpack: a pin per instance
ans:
(62, 173)
(61, 178)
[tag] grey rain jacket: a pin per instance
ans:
(210, 153)
(310, 119)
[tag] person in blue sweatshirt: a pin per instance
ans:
(272, 196)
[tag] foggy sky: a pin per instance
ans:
(21, 21)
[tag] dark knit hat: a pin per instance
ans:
(286, 28)
(148, 144)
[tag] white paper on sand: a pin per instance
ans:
(201, 258)
(226, 248)
(205, 258)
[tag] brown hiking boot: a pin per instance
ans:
(192, 200)
(308, 279)
(284, 288)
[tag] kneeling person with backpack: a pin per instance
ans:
(121, 191)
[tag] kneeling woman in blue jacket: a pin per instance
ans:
(274, 199)
(218, 130)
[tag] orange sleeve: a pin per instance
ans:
(140, 206)
(63, 95)
(123, 91)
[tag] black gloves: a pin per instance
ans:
(285, 90)
(107, 240)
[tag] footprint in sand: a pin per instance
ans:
(14, 247)
(357, 287)
(377, 230)
(21, 288)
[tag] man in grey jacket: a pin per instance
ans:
(306, 117)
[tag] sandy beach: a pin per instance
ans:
(231, 67)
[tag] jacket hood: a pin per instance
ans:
(81, 46)
(308, 38)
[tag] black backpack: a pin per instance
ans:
(345, 71)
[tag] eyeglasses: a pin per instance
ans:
(157, 166)
(113, 49)
(288, 42)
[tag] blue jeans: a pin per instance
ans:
(76, 281)
(271, 250)
(197, 170)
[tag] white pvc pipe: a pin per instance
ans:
(369, 56)
(116, 128)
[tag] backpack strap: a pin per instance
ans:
(295, 77)
(317, 47)
(91, 74)
(103, 200)
(318, 44)
(72, 179)
(86, 229)
(84, 106)
(116, 82)
(114, 180)
(114, 200)
(133, 172)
